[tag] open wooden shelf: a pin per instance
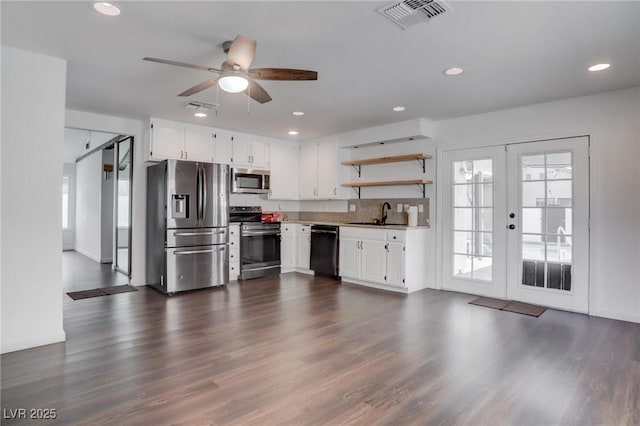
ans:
(388, 183)
(380, 160)
(357, 164)
(419, 182)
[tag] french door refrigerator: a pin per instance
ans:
(187, 225)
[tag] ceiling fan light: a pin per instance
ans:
(233, 83)
(107, 8)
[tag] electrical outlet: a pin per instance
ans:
(399, 208)
(421, 208)
(352, 207)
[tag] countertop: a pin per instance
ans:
(390, 226)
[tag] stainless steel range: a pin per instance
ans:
(259, 243)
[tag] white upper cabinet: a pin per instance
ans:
(283, 156)
(180, 141)
(166, 140)
(319, 178)
(308, 169)
(199, 143)
(250, 151)
(223, 146)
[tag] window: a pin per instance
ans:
(65, 202)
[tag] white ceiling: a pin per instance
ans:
(514, 53)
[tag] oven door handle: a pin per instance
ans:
(252, 233)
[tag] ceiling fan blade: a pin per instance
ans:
(257, 92)
(282, 74)
(241, 52)
(200, 87)
(182, 64)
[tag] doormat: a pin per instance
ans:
(97, 292)
(489, 302)
(524, 309)
(506, 305)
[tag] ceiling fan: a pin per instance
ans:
(235, 76)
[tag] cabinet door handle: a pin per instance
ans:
(181, 155)
(186, 155)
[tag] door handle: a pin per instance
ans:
(512, 215)
(193, 234)
(192, 251)
(512, 226)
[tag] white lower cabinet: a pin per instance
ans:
(288, 247)
(303, 240)
(394, 260)
(234, 251)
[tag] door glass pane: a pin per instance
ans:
(484, 243)
(533, 167)
(559, 165)
(482, 268)
(462, 265)
(533, 194)
(532, 220)
(463, 195)
(559, 248)
(533, 247)
(463, 242)
(463, 219)
(462, 171)
(559, 193)
(484, 195)
(483, 170)
(486, 219)
(558, 221)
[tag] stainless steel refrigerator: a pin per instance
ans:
(187, 225)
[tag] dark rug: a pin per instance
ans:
(119, 289)
(506, 305)
(524, 308)
(489, 302)
(97, 292)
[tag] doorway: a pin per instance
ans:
(515, 222)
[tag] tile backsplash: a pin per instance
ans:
(366, 210)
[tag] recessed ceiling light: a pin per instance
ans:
(298, 113)
(200, 114)
(106, 8)
(599, 67)
(398, 108)
(293, 132)
(453, 71)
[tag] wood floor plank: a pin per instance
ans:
(306, 350)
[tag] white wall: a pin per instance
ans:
(135, 128)
(89, 206)
(33, 102)
(69, 234)
(612, 120)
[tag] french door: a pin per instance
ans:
(515, 222)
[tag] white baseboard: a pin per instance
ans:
(89, 255)
(106, 260)
(616, 316)
(373, 285)
(28, 342)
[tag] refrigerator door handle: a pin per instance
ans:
(204, 192)
(199, 193)
(193, 234)
(176, 252)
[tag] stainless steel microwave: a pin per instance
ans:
(249, 181)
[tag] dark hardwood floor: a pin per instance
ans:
(305, 350)
(81, 273)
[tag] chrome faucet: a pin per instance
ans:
(383, 217)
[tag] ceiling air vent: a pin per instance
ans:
(195, 104)
(408, 13)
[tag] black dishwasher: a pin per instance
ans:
(324, 250)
